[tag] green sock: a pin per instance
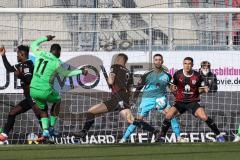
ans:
(239, 130)
(53, 120)
(45, 123)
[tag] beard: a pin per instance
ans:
(158, 66)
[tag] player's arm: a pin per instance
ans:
(173, 83)
(7, 65)
(112, 75)
(141, 83)
(27, 73)
(35, 45)
(69, 73)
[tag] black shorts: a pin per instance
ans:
(182, 107)
(118, 101)
(27, 104)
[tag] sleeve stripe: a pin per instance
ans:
(27, 74)
(15, 67)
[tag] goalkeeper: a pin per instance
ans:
(154, 96)
(47, 66)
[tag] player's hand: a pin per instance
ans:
(19, 72)
(206, 89)
(84, 71)
(50, 37)
(2, 51)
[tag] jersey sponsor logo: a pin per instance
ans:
(194, 82)
(26, 70)
(187, 89)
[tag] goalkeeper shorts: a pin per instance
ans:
(148, 104)
(41, 97)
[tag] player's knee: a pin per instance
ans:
(130, 119)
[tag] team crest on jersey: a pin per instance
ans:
(194, 82)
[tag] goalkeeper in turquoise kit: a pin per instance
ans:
(47, 66)
(154, 96)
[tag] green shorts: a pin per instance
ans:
(42, 97)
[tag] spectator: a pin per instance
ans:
(210, 79)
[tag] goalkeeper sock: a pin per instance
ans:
(9, 125)
(165, 126)
(175, 126)
(45, 123)
(89, 121)
(131, 128)
(53, 120)
(144, 125)
(239, 130)
(213, 126)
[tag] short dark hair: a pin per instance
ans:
(125, 57)
(24, 48)
(55, 47)
(158, 55)
(189, 59)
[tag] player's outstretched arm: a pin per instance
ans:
(111, 78)
(68, 73)
(35, 45)
(7, 65)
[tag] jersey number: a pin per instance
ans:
(42, 62)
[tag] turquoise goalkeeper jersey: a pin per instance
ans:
(155, 84)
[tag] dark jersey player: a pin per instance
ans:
(23, 70)
(120, 81)
(188, 85)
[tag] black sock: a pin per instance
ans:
(144, 125)
(165, 126)
(213, 126)
(89, 121)
(9, 125)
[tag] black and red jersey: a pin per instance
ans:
(187, 86)
(25, 69)
(123, 79)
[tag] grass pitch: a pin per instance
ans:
(191, 151)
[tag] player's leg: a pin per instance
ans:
(90, 118)
(163, 107)
(175, 125)
(146, 105)
(172, 112)
(22, 107)
(37, 112)
(54, 98)
(199, 112)
(10, 122)
(126, 114)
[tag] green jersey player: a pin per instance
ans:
(47, 67)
